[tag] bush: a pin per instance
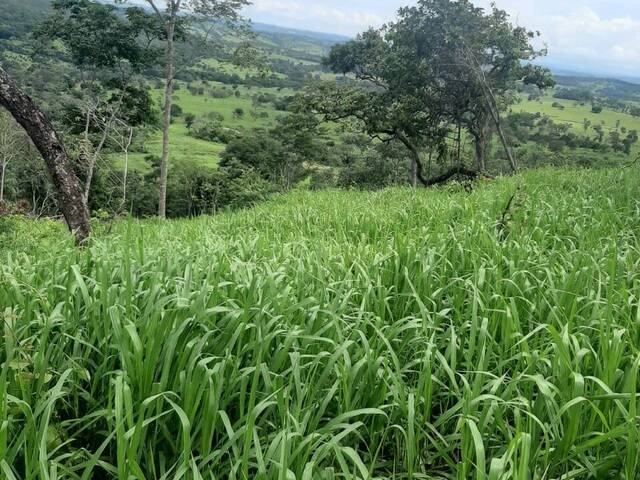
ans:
(213, 131)
(176, 110)
(189, 120)
(372, 172)
(323, 178)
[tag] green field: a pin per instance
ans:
(187, 148)
(333, 335)
(575, 113)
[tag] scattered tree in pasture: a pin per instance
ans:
(440, 67)
(176, 16)
(189, 118)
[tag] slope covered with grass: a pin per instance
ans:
(333, 335)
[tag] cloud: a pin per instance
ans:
(314, 16)
(594, 35)
(600, 35)
(583, 37)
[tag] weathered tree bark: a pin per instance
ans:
(446, 176)
(482, 143)
(440, 179)
(166, 123)
(414, 173)
(3, 168)
(45, 138)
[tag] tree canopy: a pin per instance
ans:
(441, 65)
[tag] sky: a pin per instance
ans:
(597, 36)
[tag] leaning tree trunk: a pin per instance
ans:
(166, 122)
(45, 138)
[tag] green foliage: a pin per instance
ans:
(213, 131)
(176, 110)
(394, 335)
(417, 94)
(94, 34)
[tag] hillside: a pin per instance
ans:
(607, 87)
(215, 87)
(393, 335)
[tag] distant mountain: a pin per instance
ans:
(330, 38)
(587, 72)
(17, 17)
(607, 87)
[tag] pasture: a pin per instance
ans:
(390, 335)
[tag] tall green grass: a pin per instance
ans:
(335, 335)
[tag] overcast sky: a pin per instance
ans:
(592, 35)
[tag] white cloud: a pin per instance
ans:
(584, 37)
(600, 35)
(314, 16)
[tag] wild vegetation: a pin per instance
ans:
(226, 93)
(450, 335)
(329, 313)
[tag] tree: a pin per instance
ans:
(630, 140)
(599, 129)
(189, 119)
(68, 191)
(440, 67)
(474, 58)
(176, 14)
(107, 50)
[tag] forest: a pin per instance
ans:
(232, 250)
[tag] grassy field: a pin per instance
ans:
(187, 148)
(388, 335)
(575, 114)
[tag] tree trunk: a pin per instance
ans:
(414, 173)
(482, 141)
(98, 151)
(416, 162)
(452, 172)
(4, 167)
(126, 166)
(505, 143)
(439, 180)
(168, 100)
(45, 138)
(492, 104)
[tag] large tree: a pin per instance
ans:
(174, 15)
(474, 57)
(388, 107)
(442, 66)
